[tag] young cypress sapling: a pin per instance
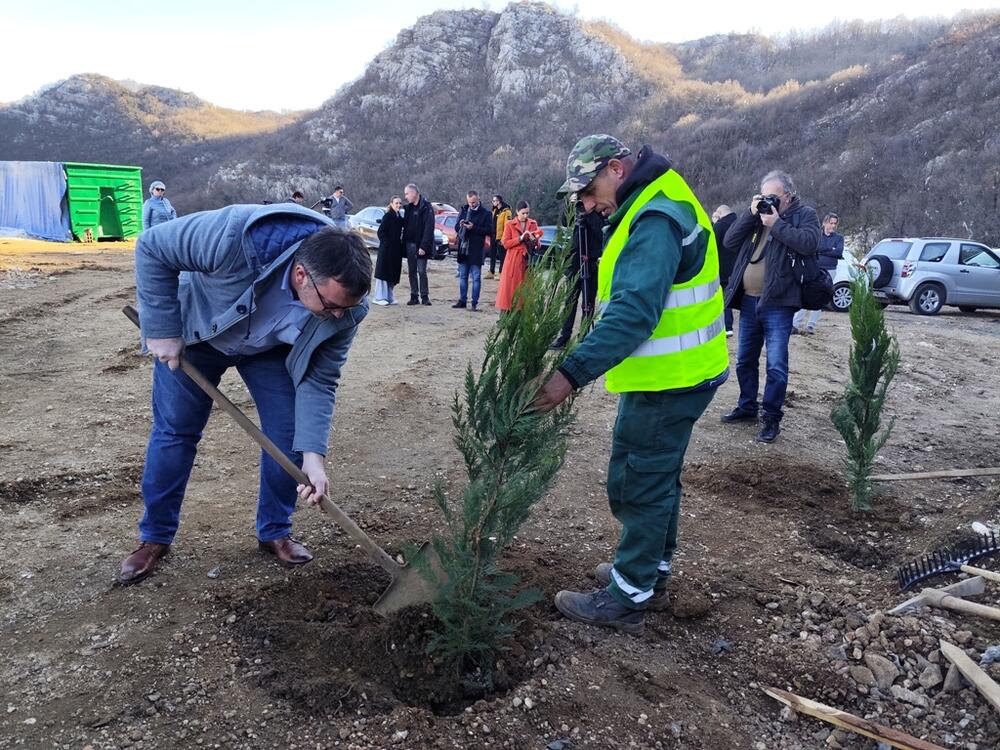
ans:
(857, 415)
(511, 455)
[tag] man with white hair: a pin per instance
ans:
(773, 234)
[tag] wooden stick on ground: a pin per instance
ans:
(972, 672)
(987, 574)
(850, 722)
(937, 598)
(945, 474)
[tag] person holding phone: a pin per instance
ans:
(520, 236)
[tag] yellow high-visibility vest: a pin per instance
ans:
(688, 345)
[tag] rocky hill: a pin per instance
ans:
(894, 125)
(92, 118)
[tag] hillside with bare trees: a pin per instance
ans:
(892, 124)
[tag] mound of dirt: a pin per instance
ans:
(324, 658)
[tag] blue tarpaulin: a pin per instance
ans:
(33, 200)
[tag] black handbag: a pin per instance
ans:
(817, 286)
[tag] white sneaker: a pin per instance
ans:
(729, 334)
(394, 302)
(382, 302)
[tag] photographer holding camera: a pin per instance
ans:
(772, 236)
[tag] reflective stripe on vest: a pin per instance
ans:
(682, 297)
(688, 345)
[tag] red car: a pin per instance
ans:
(447, 222)
(443, 208)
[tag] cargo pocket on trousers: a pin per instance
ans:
(650, 476)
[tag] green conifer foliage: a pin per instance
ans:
(857, 415)
(511, 454)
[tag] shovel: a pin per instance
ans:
(408, 586)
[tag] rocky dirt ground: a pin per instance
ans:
(777, 584)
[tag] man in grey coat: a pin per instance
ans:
(340, 205)
(275, 292)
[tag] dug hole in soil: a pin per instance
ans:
(777, 583)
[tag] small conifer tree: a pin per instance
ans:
(511, 454)
(857, 415)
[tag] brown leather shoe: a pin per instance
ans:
(142, 562)
(288, 551)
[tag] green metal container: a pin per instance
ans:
(105, 199)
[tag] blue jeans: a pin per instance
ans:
(770, 327)
(180, 411)
(465, 270)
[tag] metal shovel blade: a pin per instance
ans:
(409, 587)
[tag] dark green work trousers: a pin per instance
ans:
(644, 486)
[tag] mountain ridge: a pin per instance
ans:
(494, 100)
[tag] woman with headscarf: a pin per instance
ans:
(520, 236)
(389, 262)
(157, 209)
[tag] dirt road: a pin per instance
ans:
(774, 581)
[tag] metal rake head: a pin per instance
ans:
(947, 559)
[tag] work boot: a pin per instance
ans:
(290, 552)
(601, 609)
(141, 562)
(458, 306)
(739, 415)
(413, 301)
(769, 430)
(426, 302)
(658, 602)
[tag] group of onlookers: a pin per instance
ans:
(408, 231)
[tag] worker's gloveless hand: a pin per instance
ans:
(554, 392)
(319, 485)
(167, 351)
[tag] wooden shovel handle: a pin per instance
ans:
(987, 574)
(343, 520)
(946, 601)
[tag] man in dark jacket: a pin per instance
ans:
(418, 241)
(588, 239)
(474, 225)
(831, 250)
(773, 235)
(722, 219)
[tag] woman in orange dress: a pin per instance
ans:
(518, 234)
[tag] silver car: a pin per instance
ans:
(365, 222)
(929, 272)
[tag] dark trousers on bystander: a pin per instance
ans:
(416, 267)
(768, 327)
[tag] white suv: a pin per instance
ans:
(930, 272)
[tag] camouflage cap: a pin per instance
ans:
(589, 156)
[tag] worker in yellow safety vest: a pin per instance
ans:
(660, 341)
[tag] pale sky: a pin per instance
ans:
(256, 54)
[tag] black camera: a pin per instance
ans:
(768, 203)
